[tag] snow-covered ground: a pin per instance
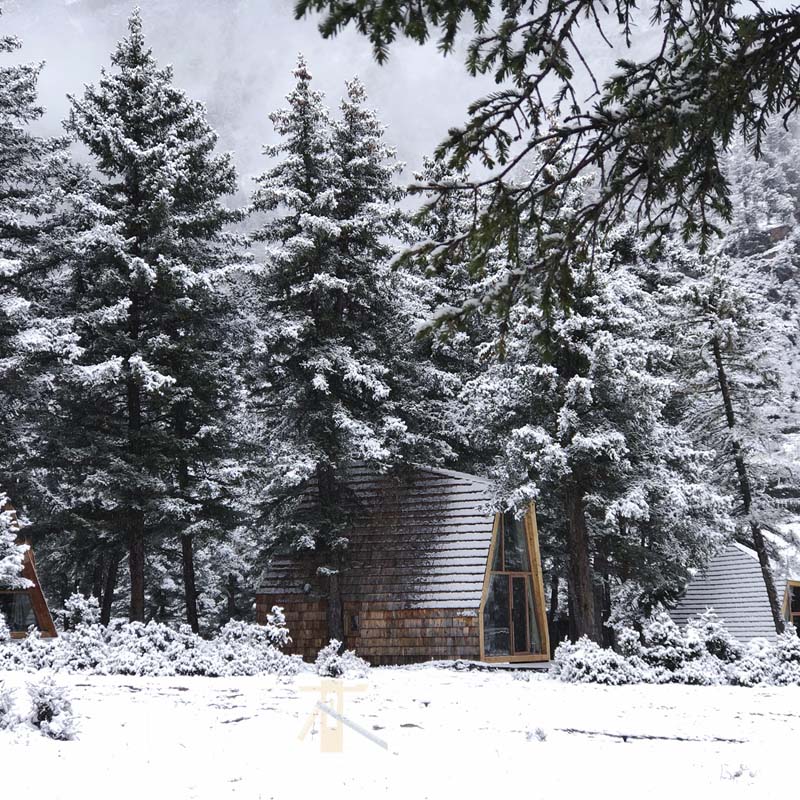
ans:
(450, 735)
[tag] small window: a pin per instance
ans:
(17, 609)
(354, 623)
(793, 604)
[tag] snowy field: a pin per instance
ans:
(449, 734)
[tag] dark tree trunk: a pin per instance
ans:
(329, 501)
(108, 589)
(579, 565)
(553, 612)
(744, 488)
(554, 582)
(136, 565)
(335, 616)
(189, 586)
(97, 577)
(135, 516)
(232, 588)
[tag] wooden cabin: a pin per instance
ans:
(430, 573)
(732, 584)
(23, 608)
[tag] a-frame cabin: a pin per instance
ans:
(23, 608)
(430, 573)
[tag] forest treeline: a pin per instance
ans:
(174, 369)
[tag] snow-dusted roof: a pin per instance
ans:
(733, 586)
(417, 540)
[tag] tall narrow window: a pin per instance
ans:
(510, 623)
(793, 604)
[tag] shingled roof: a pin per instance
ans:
(733, 586)
(419, 540)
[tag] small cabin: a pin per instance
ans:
(430, 573)
(733, 585)
(26, 608)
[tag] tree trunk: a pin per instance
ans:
(97, 578)
(744, 488)
(553, 612)
(108, 589)
(553, 599)
(135, 515)
(328, 497)
(136, 565)
(233, 611)
(579, 565)
(189, 586)
(335, 617)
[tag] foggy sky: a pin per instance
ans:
(236, 56)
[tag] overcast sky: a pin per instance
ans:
(236, 56)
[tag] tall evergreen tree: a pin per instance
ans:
(142, 445)
(731, 340)
(335, 365)
(34, 174)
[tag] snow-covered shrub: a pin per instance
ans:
(705, 670)
(756, 664)
(629, 643)
(331, 663)
(5, 631)
(136, 648)
(78, 610)
(585, 661)
(242, 648)
(786, 667)
(274, 633)
(8, 718)
(83, 649)
(51, 710)
(664, 644)
(30, 654)
(709, 629)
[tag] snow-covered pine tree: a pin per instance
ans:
(336, 338)
(731, 339)
(142, 444)
(577, 408)
(34, 175)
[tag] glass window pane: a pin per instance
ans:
(519, 614)
(516, 546)
(17, 609)
(533, 623)
(496, 628)
(795, 598)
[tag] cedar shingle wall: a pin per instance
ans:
(305, 620)
(404, 636)
(385, 635)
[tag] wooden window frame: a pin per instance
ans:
(790, 616)
(532, 538)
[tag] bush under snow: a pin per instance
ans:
(703, 653)
(133, 648)
(332, 663)
(51, 709)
